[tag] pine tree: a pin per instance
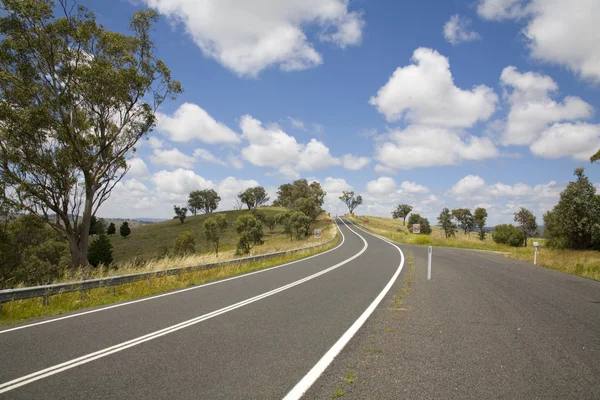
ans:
(124, 229)
(100, 252)
(112, 229)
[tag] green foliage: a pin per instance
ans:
(250, 230)
(124, 229)
(479, 219)
(465, 218)
(259, 215)
(425, 227)
(100, 252)
(75, 99)
(445, 221)
(203, 200)
(595, 157)
(424, 222)
(509, 234)
(300, 196)
(254, 197)
(574, 222)
(112, 229)
(300, 223)
(181, 213)
(97, 226)
(285, 219)
(348, 199)
(402, 211)
(184, 244)
(527, 223)
(213, 229)
(31, 253)
(270, 222)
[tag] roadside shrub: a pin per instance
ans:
(184, 244)
(509, 234)
(31, 253)
(300, 223)
(100, 252)
(250, 230)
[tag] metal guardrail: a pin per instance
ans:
(46, 291)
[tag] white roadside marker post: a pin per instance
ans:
(429, 251)
(536, 247)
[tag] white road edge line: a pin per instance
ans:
(171, 293)
(24, 380)
(311, 377)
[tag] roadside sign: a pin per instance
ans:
(416, 228)
(317, 234)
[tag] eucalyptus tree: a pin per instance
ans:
(75, 98)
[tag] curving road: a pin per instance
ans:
(483, 327)
(261, 335)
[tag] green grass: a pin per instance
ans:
(337, 393)
(22, 310)
(151, 241)
(577, 262)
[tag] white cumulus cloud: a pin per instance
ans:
(172, 158)
(424, 93)
(532, 108)
(423, 146)
(579, 141)
(456, 30)
(248, 36)
(558, 31)
(270, 146)
(137, 168)
(206, 156)
(382, 186)
(413, 188)
(355, 163)
(191, 122)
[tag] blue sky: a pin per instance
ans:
(488, 106)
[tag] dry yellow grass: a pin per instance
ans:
(576, 262)
(21, 310)
(273, 243)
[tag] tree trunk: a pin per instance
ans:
(404, 223)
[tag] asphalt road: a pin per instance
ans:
(484, 327)
(255, 336)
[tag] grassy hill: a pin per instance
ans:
(152, 241)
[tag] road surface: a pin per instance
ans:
(483, 327)
(259, 348)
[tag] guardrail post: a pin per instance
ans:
(0, 308)
(112, 290)
(82, 294)
(46, 300)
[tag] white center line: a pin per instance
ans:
(24, 380)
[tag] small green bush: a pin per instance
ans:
(100, 252)
(250, 230)
(509, 234)
(184, 244)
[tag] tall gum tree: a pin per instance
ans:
(75, 99)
